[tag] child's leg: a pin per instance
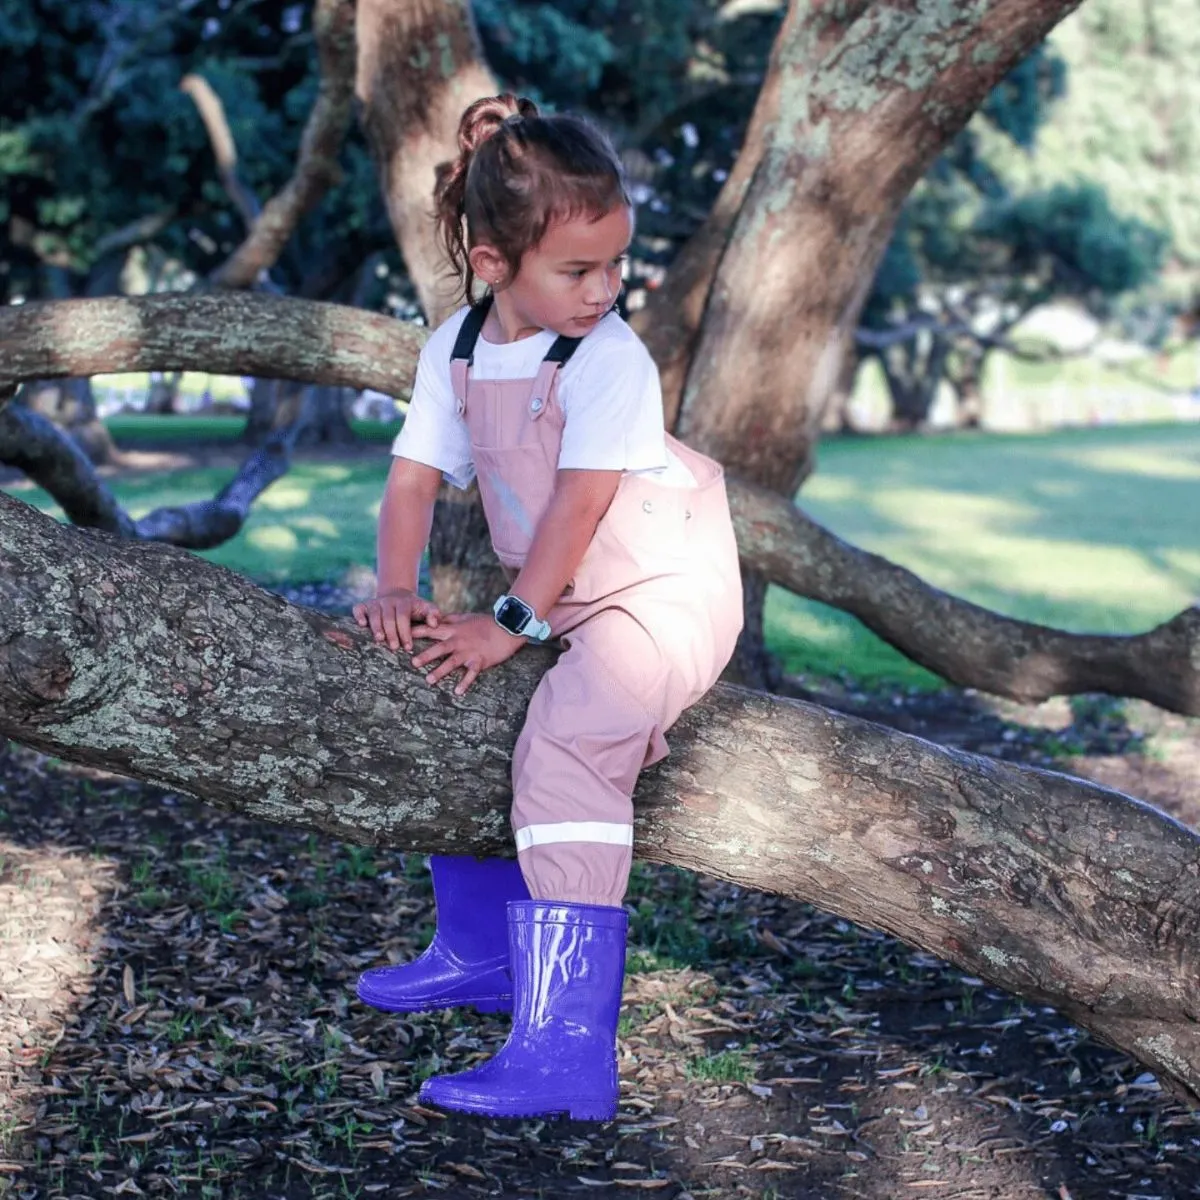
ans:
(587, 735)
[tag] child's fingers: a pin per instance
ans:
(450, 664)
(470, 674)
(375, 620)
(438, 650)
(404, 631)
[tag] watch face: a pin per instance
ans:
(513, 615)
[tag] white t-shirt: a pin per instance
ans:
(608, 390)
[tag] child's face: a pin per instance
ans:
(571, 278)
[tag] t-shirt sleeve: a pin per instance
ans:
(433, 432)
(613, 410)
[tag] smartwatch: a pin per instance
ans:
(514, 616)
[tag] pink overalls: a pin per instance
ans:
(649, 622)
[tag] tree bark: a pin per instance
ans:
(224, 334)
(142, 660)
(861, 116)
(419, 66)
(464, 573)
(315, 416)
(913, 370)
(242, 334)
(670, 322)
(858, 101)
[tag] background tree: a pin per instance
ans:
(953, 285)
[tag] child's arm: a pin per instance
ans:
(563, 535)
(405, 519)
(473, 642)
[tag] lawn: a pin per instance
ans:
(1091, 529)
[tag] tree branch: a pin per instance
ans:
(317, 167)
(212, 113)
(968, 645)
(35, 445)
(141, 660)
(225, 334)
(242, 334)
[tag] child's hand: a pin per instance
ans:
(470, 641)
(391, 617)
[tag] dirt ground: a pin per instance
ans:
(177, 1015)
(177, 1018)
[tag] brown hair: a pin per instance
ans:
(516, 172)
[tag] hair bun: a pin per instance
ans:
(487, 116)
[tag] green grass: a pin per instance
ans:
(133, 429)
(1091, 529)
(312, 524)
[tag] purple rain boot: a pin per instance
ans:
(467, 961)
(568, 964)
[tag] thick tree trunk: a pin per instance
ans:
(670, 322)
(913, 370)
(164, 392)
(419, 66)
(259, 335)
(464, 573)
(861, 117)
(859, 99)
(150, 662)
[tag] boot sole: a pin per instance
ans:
(490, 1004)
(576, 1110)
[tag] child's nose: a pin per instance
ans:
(602, 290)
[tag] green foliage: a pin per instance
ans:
(95, 133)
(617, 58)
(1130, 119)
(1069, 235)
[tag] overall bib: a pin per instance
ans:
(648, 623)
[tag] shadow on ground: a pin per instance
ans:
(177, 1018)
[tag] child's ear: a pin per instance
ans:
(488, 264)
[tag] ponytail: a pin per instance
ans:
(481, 121)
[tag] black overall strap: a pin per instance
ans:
(562, 350)
(468, 332)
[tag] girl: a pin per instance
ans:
(618, 544)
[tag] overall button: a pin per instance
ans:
(647, 506)
(536, 404)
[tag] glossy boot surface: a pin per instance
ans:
(467, 961)
(568, 964)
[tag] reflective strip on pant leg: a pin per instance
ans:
(604, 832)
